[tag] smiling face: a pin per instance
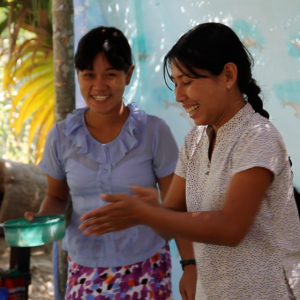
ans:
(102, 86)
(204, 98)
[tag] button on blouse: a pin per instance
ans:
(144, 151)
(268, 258)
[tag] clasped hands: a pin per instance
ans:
(124, 211)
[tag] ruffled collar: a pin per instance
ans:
(75, 128)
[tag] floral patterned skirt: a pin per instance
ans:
(150, 279)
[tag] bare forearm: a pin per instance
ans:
(185, 248)
(53, 206)
(210, 227)
(163, 234)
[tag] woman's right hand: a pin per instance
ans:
(29, 215)
(148, 195)
(123, 211)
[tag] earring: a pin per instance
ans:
(228, 87)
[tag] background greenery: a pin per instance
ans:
(27, 93)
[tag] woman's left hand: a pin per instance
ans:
(123, 212)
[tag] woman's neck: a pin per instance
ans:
(111, 119)
(106, 127)
(233, 107)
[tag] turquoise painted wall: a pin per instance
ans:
(270, 29)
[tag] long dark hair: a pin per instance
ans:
(210, 46)
(109, 40)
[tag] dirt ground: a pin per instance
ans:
(41, 287)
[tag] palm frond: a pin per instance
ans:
(29, 76)
(39, 116)
(45, 126)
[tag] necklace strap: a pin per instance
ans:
(93, 134)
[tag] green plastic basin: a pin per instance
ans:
(42, 230)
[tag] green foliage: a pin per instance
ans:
(28, 96)
(12, 147)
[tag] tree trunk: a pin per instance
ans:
(22, 188)
(63, 55)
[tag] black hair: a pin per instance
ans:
(210, 46)
(109, 40)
